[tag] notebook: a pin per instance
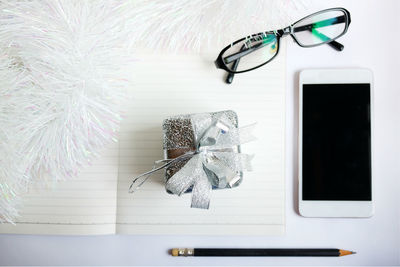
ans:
(98, 202)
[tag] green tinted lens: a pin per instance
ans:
(320, 28)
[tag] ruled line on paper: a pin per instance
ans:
(85, 204)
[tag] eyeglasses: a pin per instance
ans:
(256, 50)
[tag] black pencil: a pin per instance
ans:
(260, 252)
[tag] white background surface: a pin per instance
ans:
(371, 42)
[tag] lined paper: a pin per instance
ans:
(83, 205)
(98, 202)
(167, 85)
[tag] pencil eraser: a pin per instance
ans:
(174, 252)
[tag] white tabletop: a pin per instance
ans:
(371, 42)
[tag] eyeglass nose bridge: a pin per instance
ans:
(285, 31)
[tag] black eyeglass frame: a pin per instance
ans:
(289, 30)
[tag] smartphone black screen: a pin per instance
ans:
(336, 155)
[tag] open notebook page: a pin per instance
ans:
(167, 85)
(82, 205)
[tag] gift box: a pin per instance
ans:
(204, 153)
(201, 153)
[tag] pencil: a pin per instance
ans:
(260, 252)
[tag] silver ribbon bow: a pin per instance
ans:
(217, 161)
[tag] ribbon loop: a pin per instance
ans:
(185, 178)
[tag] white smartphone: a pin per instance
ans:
(335, 143)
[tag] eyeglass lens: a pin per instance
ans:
(251, 52)
(320, 28)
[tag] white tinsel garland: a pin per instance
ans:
(64, 65)
(197, 24)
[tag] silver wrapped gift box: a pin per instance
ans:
(203, 152)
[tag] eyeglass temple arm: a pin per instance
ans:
(229, 77)
(335, 45)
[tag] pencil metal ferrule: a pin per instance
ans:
(186, 252)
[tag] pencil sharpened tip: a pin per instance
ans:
(343, 252)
